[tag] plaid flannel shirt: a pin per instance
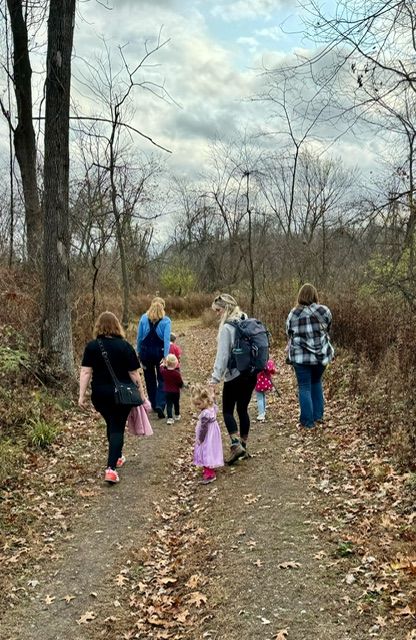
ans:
(307, 328)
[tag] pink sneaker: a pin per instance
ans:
(121, 461)
(111, 476)
(208, 476)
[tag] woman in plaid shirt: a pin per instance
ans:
(309, 351)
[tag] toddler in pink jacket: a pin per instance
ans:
(263, 385)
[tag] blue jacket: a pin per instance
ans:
(162, 330)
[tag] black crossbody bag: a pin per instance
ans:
(125, 393)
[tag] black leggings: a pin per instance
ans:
(172, 403)
(115, 417)
(238, 392)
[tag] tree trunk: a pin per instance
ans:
(24, 134)
(119, 226)
(56, 327)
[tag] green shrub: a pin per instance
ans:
(41, 433)
(178, 280)
(10, 360)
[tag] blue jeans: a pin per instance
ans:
(261, 402)
(154, 384)
(311, 397)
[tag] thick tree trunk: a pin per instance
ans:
(24, 134)
(56, 327)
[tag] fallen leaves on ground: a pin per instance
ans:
(289, 565)
(281, 635)
(87, 617)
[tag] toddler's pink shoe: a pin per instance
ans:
(208, 476)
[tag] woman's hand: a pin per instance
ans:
(136, 378)
(82, 403)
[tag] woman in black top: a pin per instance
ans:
(125, 363)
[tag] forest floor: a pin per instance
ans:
(313, 537)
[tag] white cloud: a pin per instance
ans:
(272, 33)
(249, 41)
(200, 74)
(248, 9)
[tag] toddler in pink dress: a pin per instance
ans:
(208, 452)
(264, 384)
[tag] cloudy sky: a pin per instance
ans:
(210, 64)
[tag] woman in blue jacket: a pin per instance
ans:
(153, 342)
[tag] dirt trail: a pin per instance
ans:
(107, 527)
(270, 571)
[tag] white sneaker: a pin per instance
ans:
(261, 417)
(177, 417)
(170, 421)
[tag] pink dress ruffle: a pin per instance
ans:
(209, 452)
(138, 423)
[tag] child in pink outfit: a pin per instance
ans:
(208, 452)
(263, 385)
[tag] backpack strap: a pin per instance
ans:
(153, 326)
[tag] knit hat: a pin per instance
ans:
(224, 301)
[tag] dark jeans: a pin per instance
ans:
(154, 384)
(237, 393)
(115, 417)
(311, 397)
(172, 402)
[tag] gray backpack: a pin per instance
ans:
(250, 351)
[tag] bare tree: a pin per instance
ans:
(23, 132)
(375, 46)
(235, 198)
(113, 90)
(56, 325)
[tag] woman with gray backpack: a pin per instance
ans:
(242, 351)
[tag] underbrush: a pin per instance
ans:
(29, 412)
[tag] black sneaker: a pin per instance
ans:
(237, 452)
(160, 412)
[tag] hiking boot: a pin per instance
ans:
(111, 476)
(237, 452)
(261, 417)
(121, 461)
(247, 454)
(170, 421)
